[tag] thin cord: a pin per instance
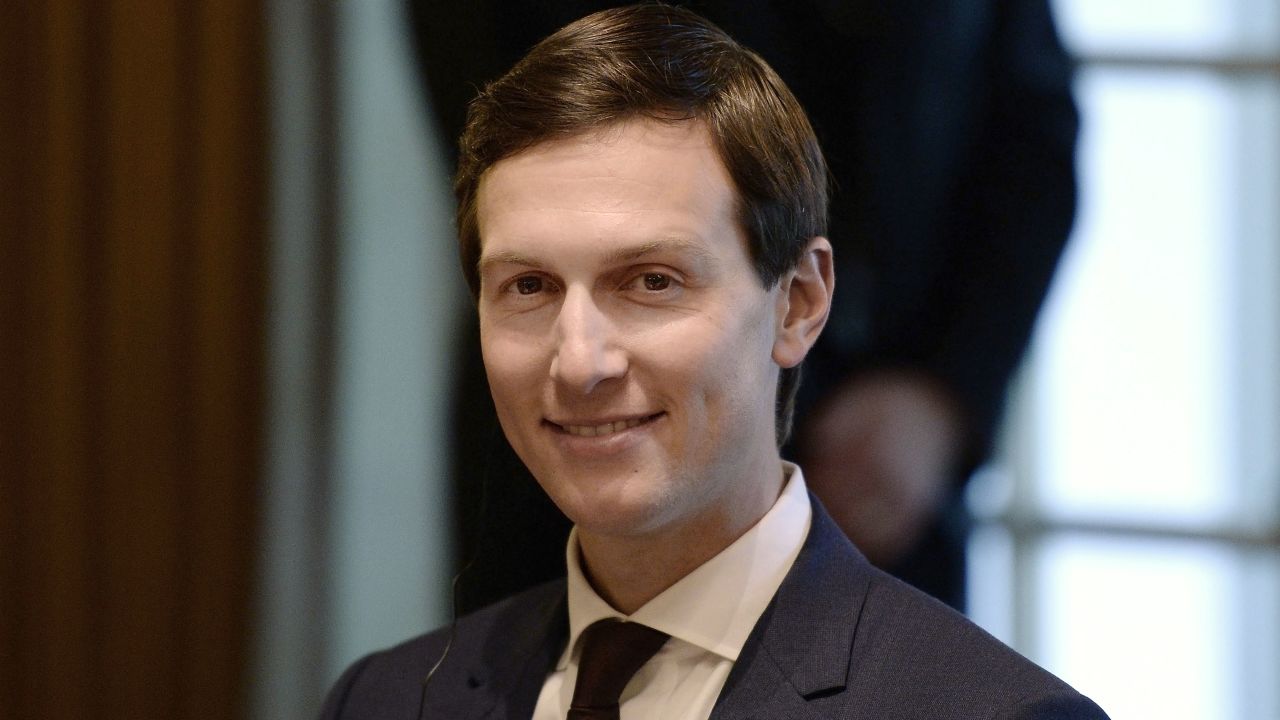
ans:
(448, 644)
(481, 513)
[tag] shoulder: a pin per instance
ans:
(912, 651)
(390, 682)
(908, 655)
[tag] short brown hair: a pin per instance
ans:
(669, 64)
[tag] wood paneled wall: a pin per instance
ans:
(132, 251)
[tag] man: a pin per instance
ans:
(950, 130)
(642, 206)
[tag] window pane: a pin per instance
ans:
(1196, 27)
(1136, 368)
(1256, 324)
(1167, 629)
(990, 581)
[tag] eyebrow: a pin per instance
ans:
(627, 254)
(506, 257)
(666, 244)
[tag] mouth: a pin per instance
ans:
(601, 429)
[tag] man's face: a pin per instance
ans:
(627, 338)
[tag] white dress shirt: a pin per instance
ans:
(708, 613)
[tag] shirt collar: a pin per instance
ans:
(715, 606)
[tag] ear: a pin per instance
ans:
(804, 301)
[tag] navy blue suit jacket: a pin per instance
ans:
(840, 639)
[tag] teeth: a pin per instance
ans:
(605, 429)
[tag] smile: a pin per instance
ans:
(608, 428)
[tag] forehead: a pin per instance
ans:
(638, 181)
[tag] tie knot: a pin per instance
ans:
(612, 652)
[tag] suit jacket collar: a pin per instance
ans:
(800, 649)
(503, 680)
(802, 646)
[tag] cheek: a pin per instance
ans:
(509, 365)
(717, 363)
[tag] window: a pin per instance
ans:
(1131, 541)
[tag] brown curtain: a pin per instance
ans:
(132, 249)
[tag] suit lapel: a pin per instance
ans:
(800, 649)
(501, 681)
(515, 685)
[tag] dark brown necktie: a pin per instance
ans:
(612, 652)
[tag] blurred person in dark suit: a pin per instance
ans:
(950, 131)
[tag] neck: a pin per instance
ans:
(629, 571)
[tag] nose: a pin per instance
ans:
(587, 353)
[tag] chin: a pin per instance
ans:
(618, 521)
(630, 506)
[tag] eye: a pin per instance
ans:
(656, 282)
(528, 285)
(654, 285)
